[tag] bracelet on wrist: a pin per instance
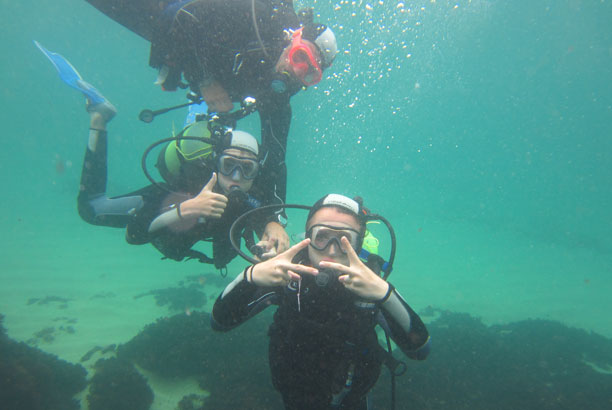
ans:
(251, 273)
(387, 295)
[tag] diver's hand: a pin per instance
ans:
(274, 240)
(357, 277)
(207, 203)
(279, 271)
(217, 99)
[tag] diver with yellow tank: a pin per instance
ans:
(211, 176)
(209, 182)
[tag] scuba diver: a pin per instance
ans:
(207, 187)
(324, 351)
(229, 50)
(210, 180)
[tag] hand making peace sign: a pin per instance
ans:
(279, 271)
(357, 277)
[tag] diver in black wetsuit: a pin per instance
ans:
(175, 215)
(324, 352)
(228, 50)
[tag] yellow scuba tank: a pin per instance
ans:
(182, 153)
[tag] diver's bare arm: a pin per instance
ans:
(171, 218)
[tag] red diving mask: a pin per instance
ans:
(305, 66)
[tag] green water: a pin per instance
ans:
(481, 129)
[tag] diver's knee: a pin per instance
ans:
(86, 211)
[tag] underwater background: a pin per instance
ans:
(481, 129)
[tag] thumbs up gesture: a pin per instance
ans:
(207, 203)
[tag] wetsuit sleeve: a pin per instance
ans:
(240, 301)
(175, 245)
(93, 204)
(275, 116)
(406, 327)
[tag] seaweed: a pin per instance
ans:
(192, 402)
(174, 346)
(531, 365)
(118, 385)
(178, 298)
(96, 349)
(527, 365)
(47, 335)
(233, 366)
(65, 319)
(62, 302)
(31, 379)
(103, 295)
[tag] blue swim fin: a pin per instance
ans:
(71, 76)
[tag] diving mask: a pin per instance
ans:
(227, 165)
(305, 65)
(321, 236)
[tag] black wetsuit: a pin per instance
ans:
(217, 40)
(138, 209)
(320, 335)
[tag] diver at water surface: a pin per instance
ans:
(324, 351)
